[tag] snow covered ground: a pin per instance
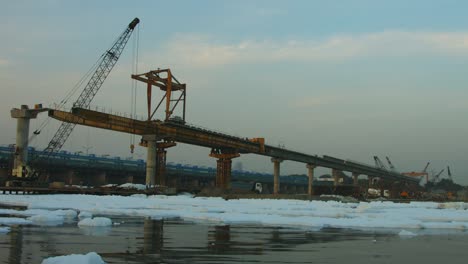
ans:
(414, 217)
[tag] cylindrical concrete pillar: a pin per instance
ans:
(310, 174)
(335, 176)
(151, 163)
(355, 178)
(22, 135)
(160, 177)
(276, 175)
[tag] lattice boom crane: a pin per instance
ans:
(105, 65)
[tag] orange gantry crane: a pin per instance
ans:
(423, 173)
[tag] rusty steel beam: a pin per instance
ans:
(191, 135)
(170, 132)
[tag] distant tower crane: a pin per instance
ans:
(436, 177)
(419, 174)
(425, 168)
(390, 164)
(449, 173)
(104, 67)
(379, 164)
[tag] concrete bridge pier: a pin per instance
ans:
(23, 117)
(150, 159)
(223, 173)
(355, 178)
(161, 153)
(335, 177)
(276, 174)
(310, 174)
(99, 179)
(223, 166)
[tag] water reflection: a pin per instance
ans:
(139, 240)
(16, 242)
(153, 231)
(219, 239)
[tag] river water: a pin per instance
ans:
(138, 240)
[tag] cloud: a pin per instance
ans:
(4, 62)
(207, 51)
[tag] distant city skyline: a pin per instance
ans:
(351, 79)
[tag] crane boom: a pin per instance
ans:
(379, 164)
(425, 168)
(449, 173)
(436, 178)
(105, 65)
(390, 163)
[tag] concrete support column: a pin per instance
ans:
(151, 162)
(161, 166)
(22, 135)
(69, 177)
(310, 174)
(355, 178)
(223, 173)
(335, 177)
(23, 116)
(276, 174)
(129, 179)
(223, 166)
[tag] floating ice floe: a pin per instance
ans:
(52, 218)
(84, 215)
(14, 221)
(96, 221)
(47, 219)
(418, 217)
(90, 258)
(404, 233)
(4, 230)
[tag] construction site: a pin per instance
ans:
(54, 170)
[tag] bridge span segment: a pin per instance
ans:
(156, 134)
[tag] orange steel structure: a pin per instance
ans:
(159, 135)
(169, 84)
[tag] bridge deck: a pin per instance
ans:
(206, 138)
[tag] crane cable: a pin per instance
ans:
(135, 55)
(68, 95)
(64, 101)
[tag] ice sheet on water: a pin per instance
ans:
(84, 215)
(4, 230)
(14, 221)
(405, 233)
(415, 216)
(47, 219)
(96, 221)
(90, 258)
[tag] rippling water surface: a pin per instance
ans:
(138, 240)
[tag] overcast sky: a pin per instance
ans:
(351, 79)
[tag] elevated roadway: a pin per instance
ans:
(223, 146)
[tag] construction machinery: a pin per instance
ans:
(379, 164)
(390, 164)
(449, 174)
(423, 173)
(103, 67)
(437, 176)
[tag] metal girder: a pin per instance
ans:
(168, 84)
(196, 136)
(178, 133)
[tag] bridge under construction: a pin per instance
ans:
(160, 135)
